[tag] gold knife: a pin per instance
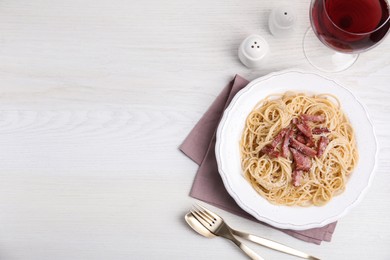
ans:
(272, 244)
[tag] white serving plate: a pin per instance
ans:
(228, 152)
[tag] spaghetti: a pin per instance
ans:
(298, 149)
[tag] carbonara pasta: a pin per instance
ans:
(298, 149)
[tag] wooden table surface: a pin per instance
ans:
(97, 95)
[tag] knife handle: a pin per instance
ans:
(249, 252)
(273, 245)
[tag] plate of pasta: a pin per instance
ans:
(296, 150)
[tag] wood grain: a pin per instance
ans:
(95, 98)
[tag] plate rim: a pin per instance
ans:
(267, 220)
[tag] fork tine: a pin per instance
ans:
(212, 214)
(201, 210)
(201, 219)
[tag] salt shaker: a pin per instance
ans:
(282, 20)
(253, 51)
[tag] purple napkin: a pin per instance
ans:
(208, 186)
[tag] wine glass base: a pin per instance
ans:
(323, 58)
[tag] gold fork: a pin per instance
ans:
(219, 228)
(212, 221)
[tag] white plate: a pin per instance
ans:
(228, 151)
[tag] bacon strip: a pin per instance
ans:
(310, 142)
(313, 118)
(320, 130)
(301, 138)
(286, 143)
(278, 138)
(305, 129)
(270, 151)
(303, 148)
(302, 162)
(324, 141)
(296, 177)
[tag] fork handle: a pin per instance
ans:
(249, 252)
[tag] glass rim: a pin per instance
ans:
(352, 33)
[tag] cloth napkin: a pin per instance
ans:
(208, 186)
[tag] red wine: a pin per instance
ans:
(350, 25)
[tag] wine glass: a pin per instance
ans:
(341, 29)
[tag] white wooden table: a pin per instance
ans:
(95, 98)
